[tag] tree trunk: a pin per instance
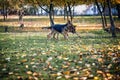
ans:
(105, 20)
(70, 12)
(73, 11)
(4, 12)
(101, 13)
(21, 18)
(118, 10)
(50, 14)
(65, 11)
(111, 19)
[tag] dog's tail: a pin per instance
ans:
(46, 27)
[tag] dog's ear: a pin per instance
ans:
(69, 21)
(75, 26)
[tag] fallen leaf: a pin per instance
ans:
(26, 66)
(59, 73)
(35, 74)
(54, 75)
(59, 77)
(29, 72)
(67, 76)
(66, 72)
(75, 78)
(65, 66)
(96, 78)
(24, 60)
(19, 77)
(100, 60)
(10, 73)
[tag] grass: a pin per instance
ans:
(29, 55)
(42, 21)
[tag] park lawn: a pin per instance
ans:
(43, 21)
(30, 56)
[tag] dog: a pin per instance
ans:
(61, 28)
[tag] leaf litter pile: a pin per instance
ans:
(32, 57)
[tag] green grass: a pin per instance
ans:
(31, 56)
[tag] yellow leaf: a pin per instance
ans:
(96, 78)
(19, 77)
(66, 72)
(108, 74)
(35, 74)
(119, 47)
(24, 60)
(64, 66)
(30, 78)
(26, 66)
(99, 72)
(75, 78)
(59, 73)
(29, 72)
(100, 59)
(54, 75)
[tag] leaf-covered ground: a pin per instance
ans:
(30, 56)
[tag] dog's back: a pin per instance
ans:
(59, 27)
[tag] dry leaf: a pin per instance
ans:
(29, 72)
(75, 78)
(99, 72)
(35, 74)
(66, 72)
(24, 60)
(59, 73)
(96, 78)
(53, 75)
(67, 76)
(83, 78)
(65, 66)
(100, 60)
(30, 78)
(26, 66)
(10, 73)
(19, 77)
(59, 77)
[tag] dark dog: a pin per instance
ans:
(63, 29)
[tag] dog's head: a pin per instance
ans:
(71, 27)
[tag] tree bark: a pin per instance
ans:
(51, 14)
(70, 12)
(49, 11)
(4, 12)
(102, 14)
(112, 28)
(65, 11)
(118, 10)
(21, 18)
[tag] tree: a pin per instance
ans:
(118, 9)
(47, 6)
(4, 4)
(112, 28)
(101, 8)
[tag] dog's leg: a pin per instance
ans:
(55, 35)
(50, 34)
(65, 34)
